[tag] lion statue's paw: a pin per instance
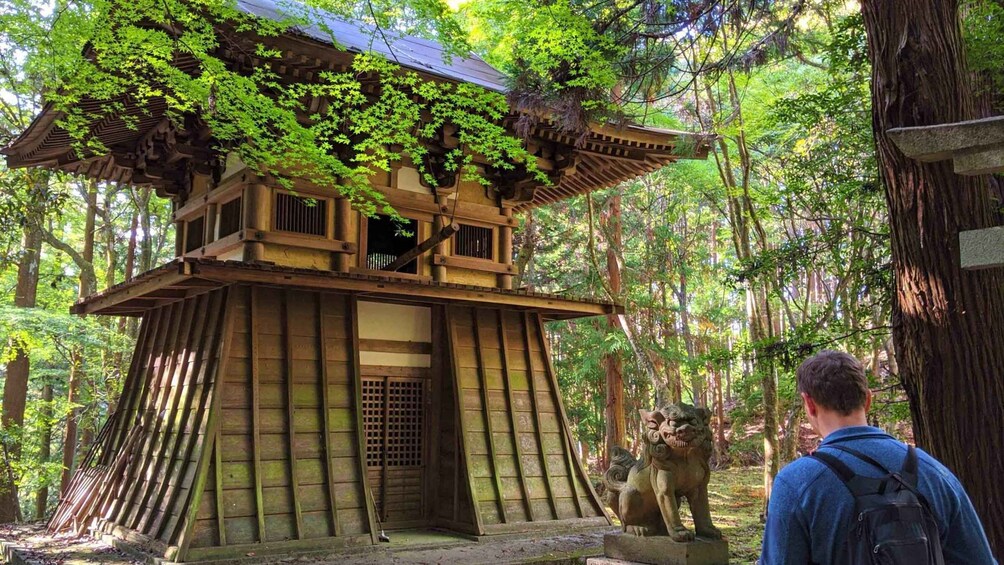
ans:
(682, 535)
(710, 532)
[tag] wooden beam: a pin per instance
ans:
(442, 235)
(507, 384)
(343, 212)
(553, 306)
(484, 265)
(120, 505)
(186, 527)
(438, 222)
(392, 346)
(255, 417)
(209, 444)
(532, 379)
(306, 241)
(168, 278)
(490, 432)
(132, 386)
(167, 493)
(465, 476)
(575, 462)
(505, 254)
(294, 477)
(357, 386)
(143, 506)
(322, 337)
(221, 523)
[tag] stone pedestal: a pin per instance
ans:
(661, 550)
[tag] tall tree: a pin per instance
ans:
(613, 361)
(15, 390)
(85, 262)
(948, 323)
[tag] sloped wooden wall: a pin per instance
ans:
(286, 466)
(162, 419)
(516, 444)
(238, 429)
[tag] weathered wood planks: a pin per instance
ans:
(515, 441)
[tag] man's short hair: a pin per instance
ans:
(834, 380)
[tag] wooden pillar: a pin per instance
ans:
(210, 235)
(257, 218)
(343, 214)
(505, 250)
(179, 239)
(438, 222)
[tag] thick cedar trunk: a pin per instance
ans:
(613, 362)
(15, 390)
(948, 324)
(77, 355)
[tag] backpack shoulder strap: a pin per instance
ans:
(838, 467)
(856, 484)
(909, 474)
(871, 461)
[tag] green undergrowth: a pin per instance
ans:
(736, 497)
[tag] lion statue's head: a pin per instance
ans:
(677, 427)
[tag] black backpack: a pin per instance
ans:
(893, 522)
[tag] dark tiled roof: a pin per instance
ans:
(411, 52)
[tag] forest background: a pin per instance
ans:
(733, 269)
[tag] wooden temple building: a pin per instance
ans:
(288, 392)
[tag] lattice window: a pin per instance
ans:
(195, 233)
(230, 217)
(373, 420)
(474, 241)
(404, 442)
(298, 214)
(403, 426)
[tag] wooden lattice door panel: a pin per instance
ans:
(394, 425)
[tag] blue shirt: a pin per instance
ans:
(811, 511)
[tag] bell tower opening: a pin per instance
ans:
(387, 239)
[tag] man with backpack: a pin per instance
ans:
(863, 497)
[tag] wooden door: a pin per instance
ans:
(394, 419)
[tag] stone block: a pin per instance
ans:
(661, 550)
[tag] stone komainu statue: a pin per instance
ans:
(646, 494)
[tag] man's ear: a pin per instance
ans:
(868, 400)
(810, 405)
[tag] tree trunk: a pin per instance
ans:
(132, 323)
(614, 363)
(688, 339)
(721, 448)
(15, 390)
(85, 288)
(44, 452)
(948, 324)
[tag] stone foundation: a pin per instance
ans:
(661, 550)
